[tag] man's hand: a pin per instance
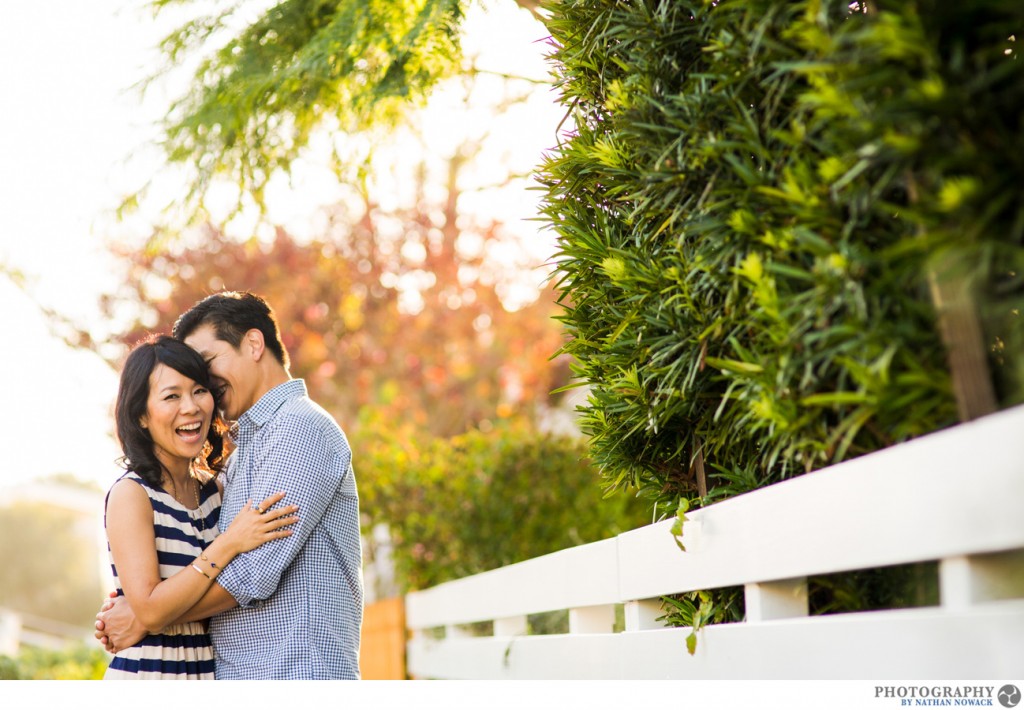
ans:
(101, 634)
(116, 625)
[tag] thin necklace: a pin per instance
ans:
(199, 513)
(202, 519)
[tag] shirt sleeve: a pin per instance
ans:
(310, 468)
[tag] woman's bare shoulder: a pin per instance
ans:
(128, 493)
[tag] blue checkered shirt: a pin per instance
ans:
(301, 597)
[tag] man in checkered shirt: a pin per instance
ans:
(291, 608)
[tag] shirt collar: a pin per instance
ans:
(266, 407)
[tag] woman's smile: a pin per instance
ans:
(192, 432)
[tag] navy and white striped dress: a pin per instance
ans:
(182, 651)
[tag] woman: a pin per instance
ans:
(161, 515)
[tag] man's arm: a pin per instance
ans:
(311, 465)
(216, 600)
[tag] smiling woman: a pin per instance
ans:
(162, 515)
(165, 388)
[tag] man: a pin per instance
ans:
(291, 608)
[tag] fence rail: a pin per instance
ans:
(956, 496)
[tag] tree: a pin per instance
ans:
(263, 87)
(401, 309)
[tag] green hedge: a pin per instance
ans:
(75, 663)
(753, 205)
(462, 505)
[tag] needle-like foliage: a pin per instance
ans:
(265, 81)
(756, 204)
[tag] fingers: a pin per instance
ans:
(270, 500)
(280, 512)
(265, 506)
(102, 637)
(280, 522)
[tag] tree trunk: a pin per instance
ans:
(964, 340)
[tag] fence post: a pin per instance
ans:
(641, 615)
(969, 579)
(782, 599)
(510, 626)
(592, 619)
(10, 633)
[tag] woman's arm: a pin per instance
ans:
(117, 627)
(158, 603)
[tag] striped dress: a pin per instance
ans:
(182, 651)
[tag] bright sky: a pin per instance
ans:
(63, 128)
(66, 126)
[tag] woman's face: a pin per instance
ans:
(178, 415)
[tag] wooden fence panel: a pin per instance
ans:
(382, 648)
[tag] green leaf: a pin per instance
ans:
(734, 365)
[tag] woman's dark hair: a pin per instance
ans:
(133, 398)
(233, 314)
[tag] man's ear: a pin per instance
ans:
(253, 344)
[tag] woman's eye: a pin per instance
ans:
(171, 396)
(201, 390)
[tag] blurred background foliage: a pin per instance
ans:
(452, 358)
(80, 662)
(481, 500)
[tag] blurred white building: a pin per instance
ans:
(86, 503)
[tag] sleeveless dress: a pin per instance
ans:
(182, 651)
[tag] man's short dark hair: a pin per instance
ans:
(232, 314)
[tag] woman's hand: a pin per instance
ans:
(254, 526)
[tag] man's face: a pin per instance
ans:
(233, 373)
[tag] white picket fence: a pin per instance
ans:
(956, 496)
